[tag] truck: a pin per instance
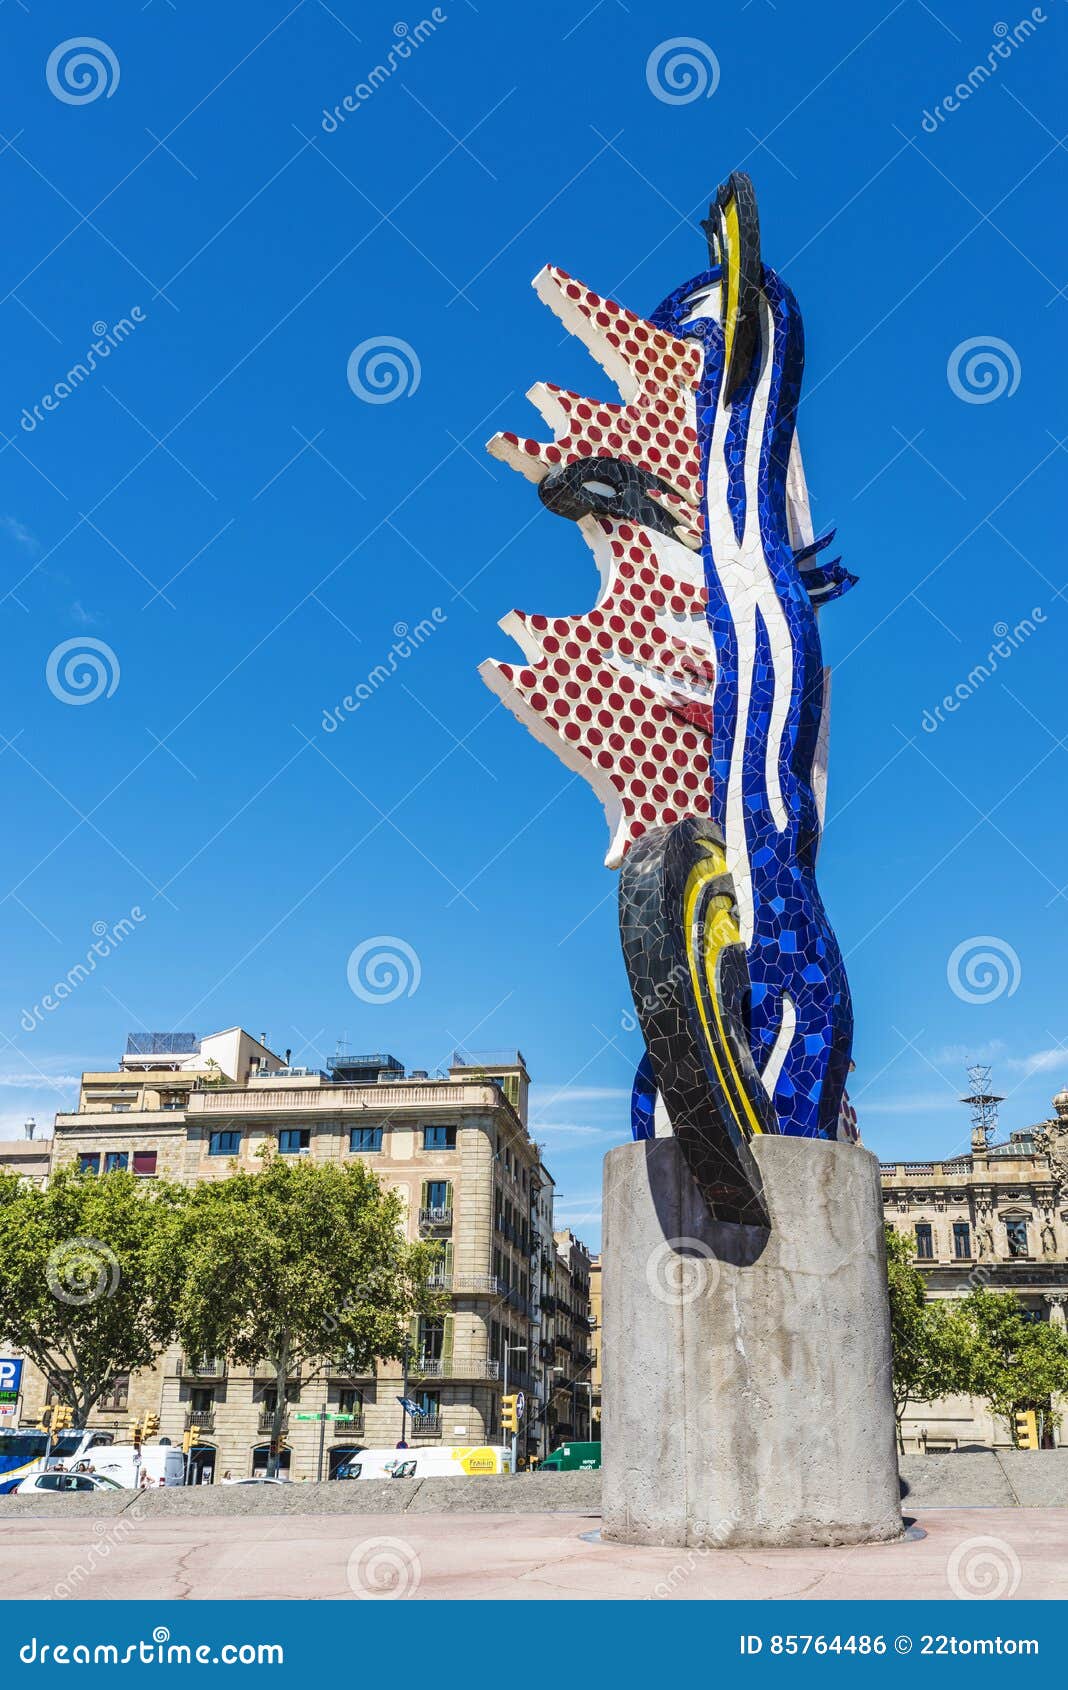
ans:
(572, 1458)
(157, 1463)
(462, 1461)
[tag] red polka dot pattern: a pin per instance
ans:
(616, 691)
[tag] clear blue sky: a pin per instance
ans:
(217, 506)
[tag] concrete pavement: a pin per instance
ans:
(997, 1552)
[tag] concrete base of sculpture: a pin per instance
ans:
(746, 1371)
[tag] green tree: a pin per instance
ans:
(88, 1277)
(298, 1262)
(1013, 1362)
(929, 1347)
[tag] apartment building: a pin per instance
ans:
(456, 1148)
(572, 1395)
(595, 1344)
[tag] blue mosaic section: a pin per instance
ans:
(794, 950)
(643, 1100)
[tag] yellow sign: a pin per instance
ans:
(477, 1460)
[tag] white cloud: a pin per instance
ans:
(22, 535)
(1041, 1061)
(567, 1129)
(31, 1081)
(925, 1103)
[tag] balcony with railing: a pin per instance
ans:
(437, 1218)
(453, 1367)
(426, 1425)
(341, 1367)
(201, 1367)
(267, 1368)
(200, 1420)
(266, 1421)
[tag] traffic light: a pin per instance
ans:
(1025, 1428)
(150, 1426)
(187, 1442)
(278, 1444)
(510, 1414)
(135, 1433)
(54, 1417)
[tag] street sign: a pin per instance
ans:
(520, 1405)
(323, 1416)
(10, 1380)
(306, 1416)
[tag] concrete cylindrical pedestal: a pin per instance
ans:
(746, 1371)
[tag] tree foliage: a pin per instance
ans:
(1013, 1362)
(89, 1278)
(295, 1263)
(926, 1359)
(983, 1345)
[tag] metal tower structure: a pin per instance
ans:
(983, 1104)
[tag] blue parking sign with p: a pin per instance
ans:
(10, 1379)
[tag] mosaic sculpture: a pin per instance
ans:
(694, 699)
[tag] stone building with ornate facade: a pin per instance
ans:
(456, 1148)
(997, 1218)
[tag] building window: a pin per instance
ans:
(431, 1337)
(439, 1138)
(89, 1162)
(144, 1162)
(365, 1138)
(437, 1194)
(292, 1140)
(924, 1241)
(962, 1240)
(1016, 1234)
(226, 1143)
(116, 1397)
(115, 1159)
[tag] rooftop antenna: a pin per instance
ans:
(983, 1104)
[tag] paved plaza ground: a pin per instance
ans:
(1017, 1552)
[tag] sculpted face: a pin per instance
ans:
(693, 696)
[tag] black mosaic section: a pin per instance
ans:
(703, 1115)
(574, 492)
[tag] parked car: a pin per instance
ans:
(53, 1481)
(257, 1479)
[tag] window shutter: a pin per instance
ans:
(446, 1342)
(424, 1202)
(446, 1265)
(413, 1334)
(448, 1194)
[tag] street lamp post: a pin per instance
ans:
(404, 1394)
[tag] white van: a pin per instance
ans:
(458, 1462)
(161, 1464)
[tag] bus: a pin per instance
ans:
(23, 1453)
